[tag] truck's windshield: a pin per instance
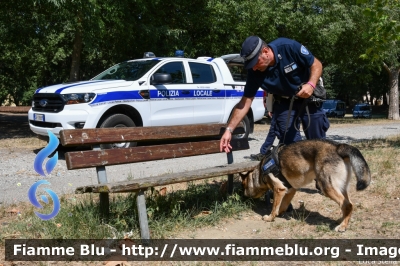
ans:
(130, 70)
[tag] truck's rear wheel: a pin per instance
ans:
(245, 123)
(118, 120)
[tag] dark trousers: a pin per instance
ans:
(272, 134)
(316, 129)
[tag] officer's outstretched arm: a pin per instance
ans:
(238, 114)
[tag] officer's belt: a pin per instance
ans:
(280, 98)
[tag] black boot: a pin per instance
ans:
(257, 157)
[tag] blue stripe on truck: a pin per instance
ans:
(79, 84)
(167, 94)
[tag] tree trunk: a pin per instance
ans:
(394, 94)
(386, 99)
(76, 53)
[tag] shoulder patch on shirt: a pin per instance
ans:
(304, 50)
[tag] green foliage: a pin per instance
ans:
(383, 34)
(45, 42)
(383, 31)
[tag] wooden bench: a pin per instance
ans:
(166, 143)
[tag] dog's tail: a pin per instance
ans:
(360, 166)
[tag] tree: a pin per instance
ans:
(383, 32)
(30, 47)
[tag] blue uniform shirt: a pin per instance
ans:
(292, 68)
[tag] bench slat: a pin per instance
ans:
(166, 179)
(74, 137)
(93, 158)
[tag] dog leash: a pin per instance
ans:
(303, 105)
(288, 117)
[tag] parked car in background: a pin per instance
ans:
(362, 110)
(334, 108)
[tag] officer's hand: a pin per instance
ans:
(224, 144)
(306, 91)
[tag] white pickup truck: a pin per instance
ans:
(150, 91)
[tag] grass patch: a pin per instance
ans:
(323, 228)
(383, 156)
(301, 214)
(390, 225)
(79, 216)
(28, 142)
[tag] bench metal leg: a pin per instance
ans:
(142, 212)
(104, 200)
(230, 177)
(102, 179)
(230, 184)
(104, 206)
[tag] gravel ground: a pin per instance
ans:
(17, 173)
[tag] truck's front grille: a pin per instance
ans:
(44, 124)
(48, 102)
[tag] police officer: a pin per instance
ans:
(280, 68)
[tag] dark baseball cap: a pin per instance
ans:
(250, 50)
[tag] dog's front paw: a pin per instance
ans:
(268, 218)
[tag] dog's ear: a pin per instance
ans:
(244, 175)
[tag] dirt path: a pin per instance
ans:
(374, 216)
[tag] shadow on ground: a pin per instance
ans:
(14, 126)
(264, 207)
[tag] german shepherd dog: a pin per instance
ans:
(327, 162)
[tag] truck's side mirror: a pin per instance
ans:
(160, 78)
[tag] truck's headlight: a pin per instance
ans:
(75, 98)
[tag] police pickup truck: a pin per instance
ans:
(151, 91)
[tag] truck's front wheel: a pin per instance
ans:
(245, 123)
(118, 120)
